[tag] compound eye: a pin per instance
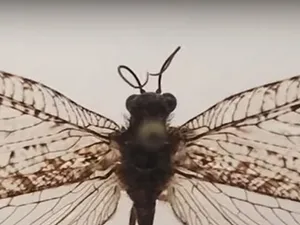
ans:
(131, 102)
(170, 101)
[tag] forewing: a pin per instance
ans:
(250, 141)
(47, 140)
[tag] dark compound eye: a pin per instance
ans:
(170, 100)
(131, 102)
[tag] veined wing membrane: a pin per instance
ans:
(83, 203)
(197, 202)
(250, 141)
(47, 140)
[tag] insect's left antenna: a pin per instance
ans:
(139, 84)
(163, 69)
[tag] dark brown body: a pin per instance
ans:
(147, 148)
(144, 175)
(144, 188)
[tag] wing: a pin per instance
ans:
(197, 202)
(91, 202)
(250, 142)
(46, 141)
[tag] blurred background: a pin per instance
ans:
(75, 48)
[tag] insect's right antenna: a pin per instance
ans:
(164, 68)
(139, 85)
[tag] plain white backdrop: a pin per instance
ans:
(75, 49)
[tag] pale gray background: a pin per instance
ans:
(76, 48)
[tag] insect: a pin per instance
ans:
(237, 163)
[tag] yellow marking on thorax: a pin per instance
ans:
(150, 127)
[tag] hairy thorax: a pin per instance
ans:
(146, 157)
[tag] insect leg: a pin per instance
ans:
(132, 218)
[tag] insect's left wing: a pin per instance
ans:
(246, 150)
(57, 160)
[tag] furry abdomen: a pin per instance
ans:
(144, 183)
(145, 174)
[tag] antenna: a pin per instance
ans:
(139, 85)
(164, 67)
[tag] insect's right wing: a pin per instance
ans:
(239, 161)
(197, 202)
(56, 158)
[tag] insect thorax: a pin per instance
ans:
(146, 151)
(145, 144)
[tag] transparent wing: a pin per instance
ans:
(250, 141)
(196, 202)
(91, 202)
(47, 140)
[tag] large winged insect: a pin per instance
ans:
(237, 163)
